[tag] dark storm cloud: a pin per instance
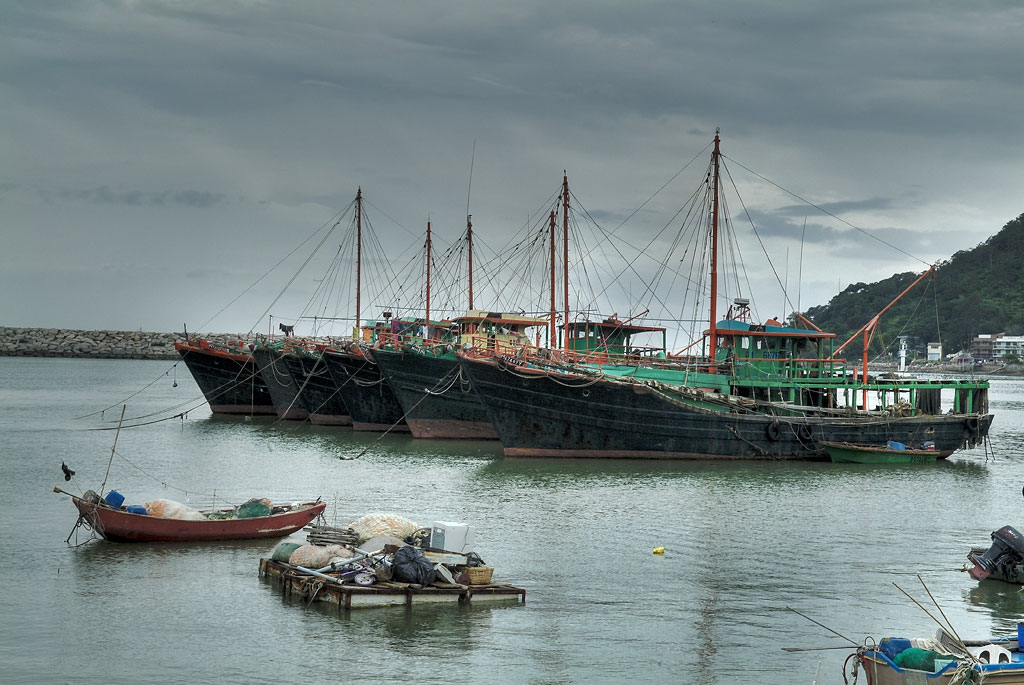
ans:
(897, 118)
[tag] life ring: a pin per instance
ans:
(774, 431)
(972, 424)
(804, 432)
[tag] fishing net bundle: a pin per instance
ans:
(318, 556)
(169, 509)
(372, 525)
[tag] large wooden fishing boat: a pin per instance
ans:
(749, 391)
(317, 390)
(284, 391)
(370, 400)
(436, 398)
(229, 378)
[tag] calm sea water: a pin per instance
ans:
(744, 544)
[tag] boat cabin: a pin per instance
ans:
(764, 350)
(412, 330)
(496, 330)
(613, 338)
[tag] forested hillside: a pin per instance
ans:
(975, 291)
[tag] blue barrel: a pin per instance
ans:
(136, 509)
(114, 499)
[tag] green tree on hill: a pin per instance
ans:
(973, 292)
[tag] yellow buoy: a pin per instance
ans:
(659, 550)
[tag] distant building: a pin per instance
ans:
(982, 347)
(1008, 345)
(934, 352)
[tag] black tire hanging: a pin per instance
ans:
(774, 431)
(972, 424)
(804, 432)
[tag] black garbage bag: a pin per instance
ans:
(410, 566)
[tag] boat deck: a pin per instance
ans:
(297, 584)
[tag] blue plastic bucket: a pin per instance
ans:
(114, 499)
(136, 509)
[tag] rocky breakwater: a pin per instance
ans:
(61, 342)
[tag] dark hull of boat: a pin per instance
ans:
(317, 391)
(370, 401)
(230, 382)
(438, 401)
(282, 387)
(118, 525)
(538, 415)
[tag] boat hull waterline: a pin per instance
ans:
(536, 414)
(230, 382)
(437, 399)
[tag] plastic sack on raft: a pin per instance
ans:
(410, 566)
(372, 525)
(169, 509)
(318, 556)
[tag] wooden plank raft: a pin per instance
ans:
(296, 584)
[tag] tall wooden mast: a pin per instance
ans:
(552, 326)
(428, 276)
(713, 336)
(565, 260)
(359, 257)
(469, 242)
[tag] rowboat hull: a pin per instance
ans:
(118, 525)
(848, 453)
(882, 671)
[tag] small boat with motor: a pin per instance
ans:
(891, 453)
(1003, 560)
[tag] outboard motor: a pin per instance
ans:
(1007, 550)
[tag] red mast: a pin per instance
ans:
(428, 276)
(553, 328)
(713, 337)
(359, 256)
(565, 243)
(469, 240)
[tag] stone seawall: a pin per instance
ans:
(62, 342)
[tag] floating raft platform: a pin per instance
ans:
(297, 584)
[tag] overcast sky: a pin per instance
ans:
(160, 157)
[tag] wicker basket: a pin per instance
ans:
(480, 575)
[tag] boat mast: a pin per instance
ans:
(359, 257)
(428, 276)
(713, 337)
(469, 241)
(565, 244)
(552, 327)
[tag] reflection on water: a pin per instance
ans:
(1004, 602)
(743, 542)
